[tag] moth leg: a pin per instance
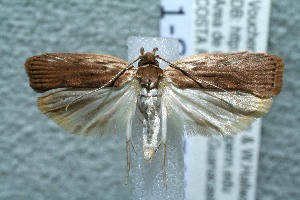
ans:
(158, 146)
(133, 147)
(128, 140)
(164, 165)
(128, 161)
(128, 158)
(164, 142)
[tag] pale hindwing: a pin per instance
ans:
(105, 111)
(204, 112)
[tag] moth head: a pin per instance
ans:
(149, 153)
(148, 58)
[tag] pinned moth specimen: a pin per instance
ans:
(209, 94)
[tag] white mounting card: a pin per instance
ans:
(220, 167)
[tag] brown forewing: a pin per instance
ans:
(63, 70)
(256, 73)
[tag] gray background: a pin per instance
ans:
(39, 161)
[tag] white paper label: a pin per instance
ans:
(219, 168)
(176, 18)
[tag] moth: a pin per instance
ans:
(209, 94)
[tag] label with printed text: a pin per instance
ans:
(220, 167)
